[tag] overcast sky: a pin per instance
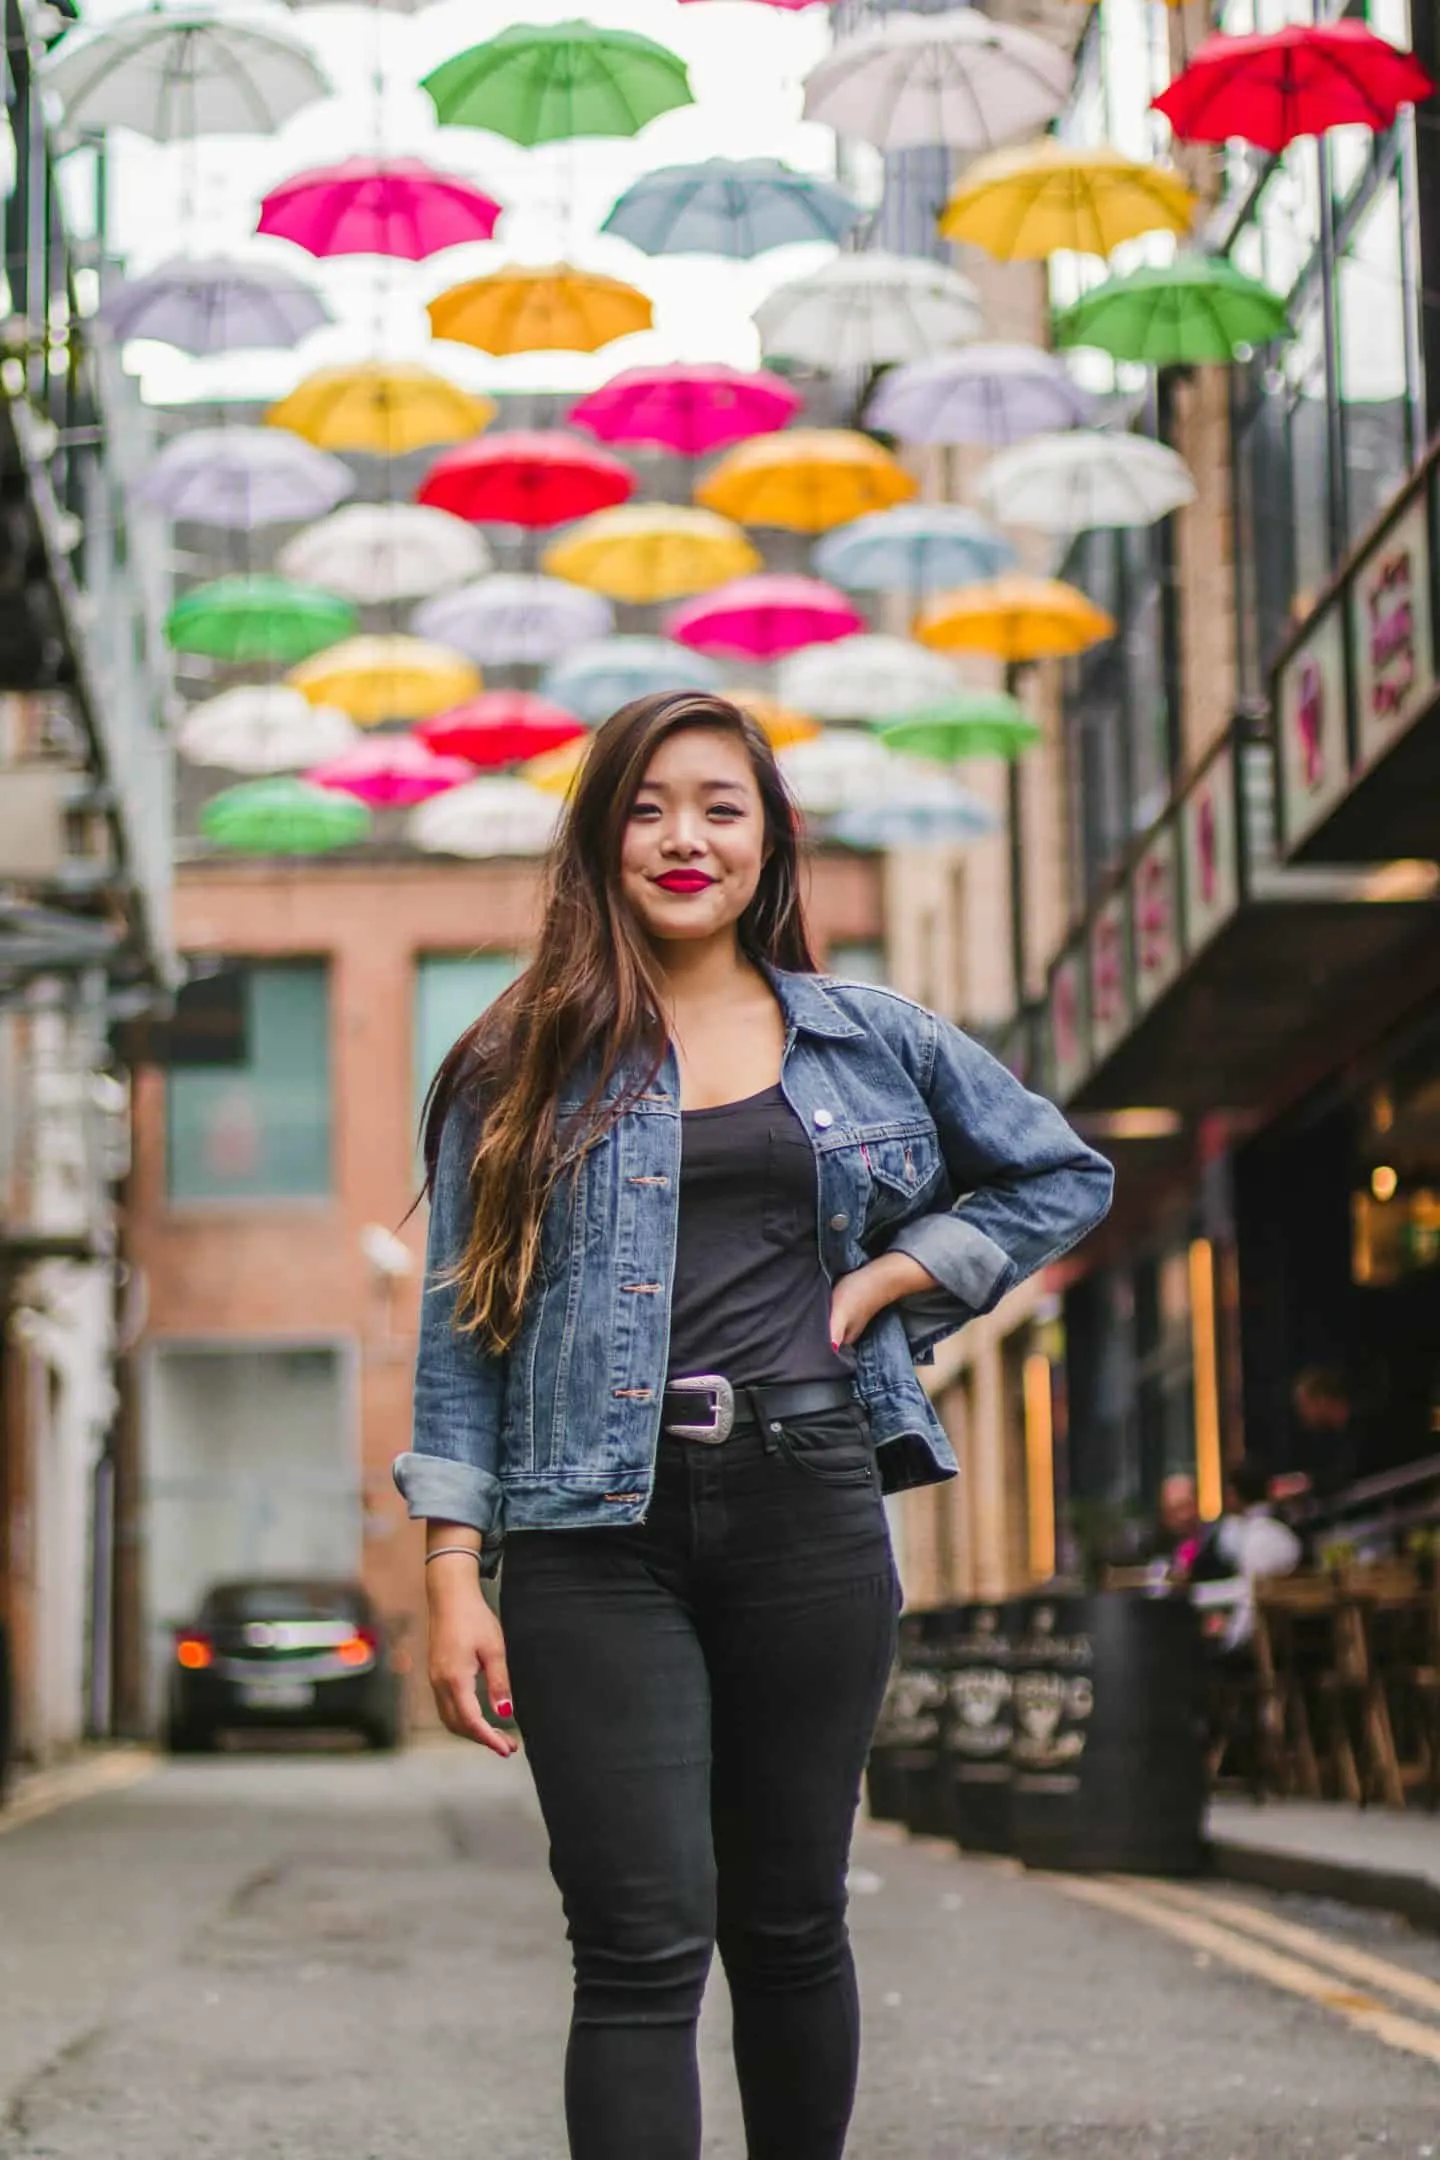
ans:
(746, 67)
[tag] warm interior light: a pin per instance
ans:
(194, 1653)
(1405, 879)
(1039, 1466)
(1138, 1124)
(1384, 1181)
(1209, 1481)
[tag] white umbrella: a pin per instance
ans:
(959, 79)
(1074, 482)
(486, 817)
(837, 770)
(519, 617)
(264, 728)
(990, 394)
(210, 304)
(242, 477)
(919, 810)
(374, 552)
(869, 677)
(173, 77)
(867, 311)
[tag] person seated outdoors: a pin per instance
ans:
(1179, 1530)
(1246, 1544)
(1325, 1449)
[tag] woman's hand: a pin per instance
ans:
(466, 1639)
(856, 1298)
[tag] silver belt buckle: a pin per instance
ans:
(723, 1406)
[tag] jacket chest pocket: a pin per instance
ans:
(899, 1171)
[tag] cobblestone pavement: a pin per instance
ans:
(335, 1957)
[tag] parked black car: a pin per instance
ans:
(308, 1652)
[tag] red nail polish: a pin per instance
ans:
(502, 1707)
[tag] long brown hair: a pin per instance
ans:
(592, 991)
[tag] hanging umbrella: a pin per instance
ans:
(526, 477)
(914, 549)
(961, 79)
(1025, 204)
(991, 394)
(929, 812)
(242, 619)
(690, 408)
(494, 816)
(263, 728)
(173, 77)
(805, 479)
(385, 407)
(1082, 481)
(391, 772)
(391, 7)
(502, 727)
(1184, 313)
(864, 677)
(555, 772)
(517, 618)
(783, 726)
(735, 207)
(374, 679)
(547, 82)
(556, 308)
(598, 679)
(1016, 618)
(646, 552)
(373, 553)
(838, 770)
(1274, 85)
(243, 477)
(968, 724)
(398, 207)
(868, 311)
(760, 618)
(208, 304)
(283, 817)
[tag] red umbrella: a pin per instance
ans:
(502, 727)
(762, 618)
(526, 478)
(1277, 84)
(391, 772)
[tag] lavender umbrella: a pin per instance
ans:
(500, 620)
(990, 394)
(241, 477)
(210, 304)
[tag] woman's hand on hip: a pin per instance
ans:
(856, 1298)
(466, 1640)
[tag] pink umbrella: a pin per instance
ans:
(690, 409)
(762, 618)
(391, 772)
(526, 476)
(378, 206)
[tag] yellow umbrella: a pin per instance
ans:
(556, 771)
(556, 308)
(782, 724)
(1026, 203)
(386, 407)
(1015, 618)
(806, 479)
(652, 551)
(386, 678)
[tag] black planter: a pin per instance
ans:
(976, 1727)
(905, 1736)
(929, 1802)
(1107, 1758)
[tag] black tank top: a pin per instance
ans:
(751, 1300)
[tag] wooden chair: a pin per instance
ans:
(1311, 1678)
(1398, 1623)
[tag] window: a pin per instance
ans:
(1374, 384)
(249, 1117)
(1284, 485)
(451, 992)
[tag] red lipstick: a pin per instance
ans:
(684, 881)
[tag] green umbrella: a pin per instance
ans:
(258, 618)
(283, 817)
(975, 723)
(544, 82)
(1194, 309)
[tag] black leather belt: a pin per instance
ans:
(704, 1406)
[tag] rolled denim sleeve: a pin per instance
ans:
(450, 1472)
(1029, 1188)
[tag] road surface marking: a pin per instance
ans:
(50, 1790)
(1365, 2012)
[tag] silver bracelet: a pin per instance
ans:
(473, 1550)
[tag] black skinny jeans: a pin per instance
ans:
(697, 1694)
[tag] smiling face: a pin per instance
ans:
(695, 841)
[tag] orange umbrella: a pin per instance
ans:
(1016, 618)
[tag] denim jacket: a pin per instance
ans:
(924, 1144)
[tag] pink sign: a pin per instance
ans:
(1109, 976)
(1392, 632)
(1314, 762)
(1208, 839)
(1069, 1051)
(1154, 911)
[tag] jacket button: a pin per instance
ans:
(823, 1120)
(839, 1222)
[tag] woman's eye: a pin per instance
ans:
(726, 810)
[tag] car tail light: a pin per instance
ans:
(194, 1652)
(359, 1648)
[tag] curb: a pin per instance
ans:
(1415, 1898)
(85, 1777)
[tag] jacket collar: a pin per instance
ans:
(808, 1007)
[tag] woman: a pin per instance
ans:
(694, 1211)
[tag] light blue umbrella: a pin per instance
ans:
(599, 678)
(939, 813)
(730, 206)
(990, 394)
(916, 548)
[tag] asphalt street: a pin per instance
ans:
(335, 1957)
